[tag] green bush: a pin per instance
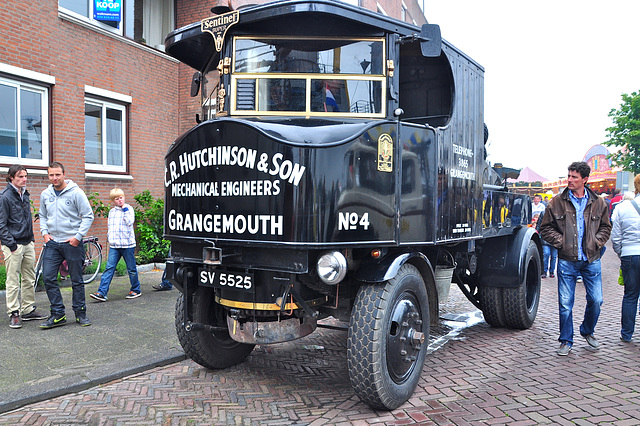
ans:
(3, 277)
(99, 208)
(149, 229)
(121, 268)
(90, 269)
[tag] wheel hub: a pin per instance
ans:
(405, 338)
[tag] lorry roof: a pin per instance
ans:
(197, 49)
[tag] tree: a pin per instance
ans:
(625, 133)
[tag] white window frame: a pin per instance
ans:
(44, 123)
(89, 19)
(119, 102)
(158, 19)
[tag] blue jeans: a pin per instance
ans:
(165, 282)
(568, 272)
(114, 256)
(54, 254)
(631, 275)
(549, 252)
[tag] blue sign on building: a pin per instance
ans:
(107, 10)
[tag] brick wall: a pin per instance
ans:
(35, 38)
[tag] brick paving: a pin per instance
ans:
(479, 375)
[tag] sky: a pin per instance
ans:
(553, 71)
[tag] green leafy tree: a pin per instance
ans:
(149, 228)
(625, 133)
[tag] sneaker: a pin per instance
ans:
(551, 275)
(33, 315)
(81, 318)
(54, 321)
(160, 287)
(624, 340)
(592, 341)
(15, 321)
(543, 276)
(98, 297)
(133, 295)
(564, 349)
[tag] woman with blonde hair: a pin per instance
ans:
(625, 236)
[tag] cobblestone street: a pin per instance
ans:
(475, 374)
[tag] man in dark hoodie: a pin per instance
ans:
(65, 218)
(16, 236)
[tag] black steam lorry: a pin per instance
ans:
(337, 166)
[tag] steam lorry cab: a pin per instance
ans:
(337, 169)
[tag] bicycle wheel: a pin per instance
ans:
(92, 261)
(38, 284)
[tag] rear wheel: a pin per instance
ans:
(492, 306)
(521, 303)
(515, 307)
(388, 339)
(38, 284)
(92, 261)
(211, 349)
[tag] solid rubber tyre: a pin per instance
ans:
(492, 306)
(214, 350)
(515, 307)
(521, 303)
(385, 356)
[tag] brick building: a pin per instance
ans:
(86, 83)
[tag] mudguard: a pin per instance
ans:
(388, 267)
(501, 261)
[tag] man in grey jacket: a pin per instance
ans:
(65, 218)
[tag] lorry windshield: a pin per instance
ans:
(308, 76)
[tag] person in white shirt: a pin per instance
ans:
(122, 243)
(625, 237)
(537, 207)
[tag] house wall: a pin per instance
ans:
(35, 38)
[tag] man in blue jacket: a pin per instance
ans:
(65, 218)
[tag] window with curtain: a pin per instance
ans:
(105, 136)
(24, 122)
(145, 21)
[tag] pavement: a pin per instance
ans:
(127, 336)
(474, 374)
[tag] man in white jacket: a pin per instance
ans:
(65, 218)
(625, 236)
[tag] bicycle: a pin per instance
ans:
(90, 267)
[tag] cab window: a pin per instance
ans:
(308, 76)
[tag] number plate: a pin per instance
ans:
(221, 278)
